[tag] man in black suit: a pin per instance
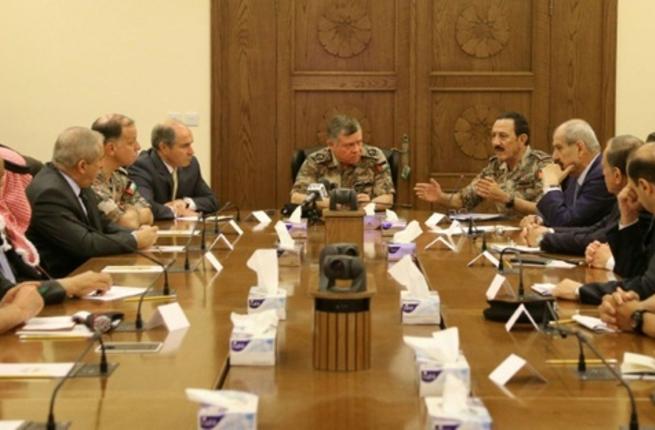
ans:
(574, 240)
(632, 306)
(574, 189)
(168, 175)
(66, 226)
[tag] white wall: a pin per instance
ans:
(635, 74)
(66, 62)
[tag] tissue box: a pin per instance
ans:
(432, 375)
(259, 300)
(419, 311)
(389, 228)
(297, 230)
(371, 222)
(396, 251)
(247, 350)
(243, 417)
(290, 257)
(475, 417)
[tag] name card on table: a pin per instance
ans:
(171, 316)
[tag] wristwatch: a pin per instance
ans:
(510, 203)
(637, 318)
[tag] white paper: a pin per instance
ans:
(507, 369)
(637, 363)
(592, 323)
(515, 316)
(222, 238)
(499, 247)
(181, 232)
(213, 261)
(544, 288)
(49, 323)
(495, 286)
(133, 269)
(173, 341)
(34, 370)
(262, 217)
(116, 292)
(369, 209)
(79, 331)
(235, 227)
(409, 234)
(11, 424)
(284, 237)
(442, 347)
(165, 248)
(171, 316)
(434, 219)
(446, 240)
(453, 229)
(296, 215)
(487, 255)
(559, 264)
(391, 215)
(409, 276)
(264, 263)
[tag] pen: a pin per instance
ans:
(152, 298)
(565, 321)
(575, 361)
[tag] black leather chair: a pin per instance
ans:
(299, 156)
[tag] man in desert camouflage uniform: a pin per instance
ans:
(118, 196)
(346, 162)
(511, 180)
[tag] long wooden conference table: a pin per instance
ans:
(147, 390)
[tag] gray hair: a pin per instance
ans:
(579, 129)
(75, 144)
(342, 123)
(164, 133)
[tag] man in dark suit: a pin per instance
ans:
(574, 240)
(66, 226)
(168, 175)
(574, 189)
(632, 306)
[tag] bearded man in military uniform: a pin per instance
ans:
(347, 162)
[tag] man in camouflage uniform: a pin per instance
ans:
(511, 181)
(347, 163)
(118, 197)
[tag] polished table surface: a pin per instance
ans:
(147, 391)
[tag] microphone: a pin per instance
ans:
(75, 370)
(102, 322)
(188, 242)
(166, 288)
(316, 191)
(634, 419)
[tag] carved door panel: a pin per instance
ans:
(347, 56)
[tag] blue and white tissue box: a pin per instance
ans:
(396, 251)
(372, 222)
(260, 300)
(474, 417)
(241, 417)
(290, 257)
(414, 310)
(432, 374)
(253, 350)
(297, 230)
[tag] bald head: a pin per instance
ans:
(641, 163)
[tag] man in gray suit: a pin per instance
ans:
(168, 175)
(66, 226)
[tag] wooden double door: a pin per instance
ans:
(426, 77)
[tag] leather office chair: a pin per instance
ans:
(299, 156)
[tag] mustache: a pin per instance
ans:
(499, 149)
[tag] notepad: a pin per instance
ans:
(77, 332)
(34, 370)
(49, 323)
(133, 269)
(636, 365)
(116, 293)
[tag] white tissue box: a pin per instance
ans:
(389, 228)
(212, 417)
(432, 374)
(248, 350)
(290, 257)
(259, 301)
(474, 417)
(396, 251)
(297, 230)
(414, 310)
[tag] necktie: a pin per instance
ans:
(174, 177)
(83, 201)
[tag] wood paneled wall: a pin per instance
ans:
(427, 76)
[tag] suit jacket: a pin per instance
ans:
(633, 246)
(64, 235)
(156, 184)
(593, 201)
(574, 240)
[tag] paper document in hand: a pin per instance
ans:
(133, 269)
(34, 370)
(116, 293)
